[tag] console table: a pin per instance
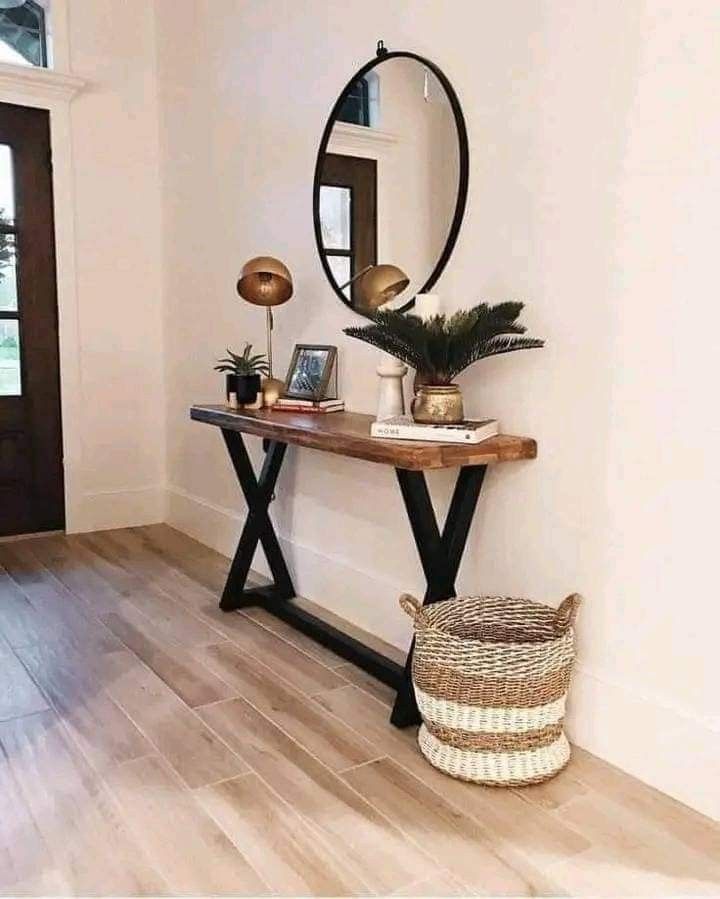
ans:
(348, 434)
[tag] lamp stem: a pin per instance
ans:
(269, 323)
(355, 277)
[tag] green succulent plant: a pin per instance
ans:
(440, 348)
(244, 365)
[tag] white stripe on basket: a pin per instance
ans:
(495, 767)
(479, 719)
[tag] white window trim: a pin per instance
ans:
(56, 33)
(360, 137)
(35, 83)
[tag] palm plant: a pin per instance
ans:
(440, 348)
(245, 365)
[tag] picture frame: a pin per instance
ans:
(312, 369)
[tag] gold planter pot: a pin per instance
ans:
(434, 405)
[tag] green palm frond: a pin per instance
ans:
(440, 348)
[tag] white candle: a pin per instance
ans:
(427, 305)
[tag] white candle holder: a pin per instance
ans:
(391, 400)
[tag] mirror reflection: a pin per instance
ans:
(389, 178)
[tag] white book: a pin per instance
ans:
(402, 427)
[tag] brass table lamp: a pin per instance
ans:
(265, 281)
(378, 284)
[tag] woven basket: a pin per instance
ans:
(491, 677)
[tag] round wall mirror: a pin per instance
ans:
(390, 182)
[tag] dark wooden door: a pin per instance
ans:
(31, 479)
(357, 178)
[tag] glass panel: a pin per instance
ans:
(335, 217)
(22, 33)
(7, 54)
(9, 359)
(340, 268)
(356, 106)
(7, 186)
(8, 274)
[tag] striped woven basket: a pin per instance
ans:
(491, 676)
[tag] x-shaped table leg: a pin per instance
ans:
(440, 554)
(258, 527)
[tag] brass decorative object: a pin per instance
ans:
(266, 281)
(434, 405)
(377, 285)
(272, 390)
(380, 284)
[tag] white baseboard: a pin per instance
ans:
(118, 509)
(363, 598)
(671, 750)
(213, 525)
(644, 735)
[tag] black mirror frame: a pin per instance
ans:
(464, 160)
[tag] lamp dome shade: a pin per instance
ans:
(265, 281)
(381, 284)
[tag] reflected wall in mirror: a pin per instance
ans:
(391, 177)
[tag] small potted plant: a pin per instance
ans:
(439, 348)
(242, 374)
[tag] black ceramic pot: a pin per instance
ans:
(245, 387)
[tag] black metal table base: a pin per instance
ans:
(440, 557)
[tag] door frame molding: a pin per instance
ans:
(53, 91)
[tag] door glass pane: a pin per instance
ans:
(7, 186)
(335, 217)
(340, 268)
(8, 274)
(9, 359)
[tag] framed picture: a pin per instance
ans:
(311, 370)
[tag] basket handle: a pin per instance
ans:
(566, 613)
(414, 608)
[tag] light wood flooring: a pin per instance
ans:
(154, 745)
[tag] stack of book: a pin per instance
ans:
(402, 427)
(290, 404)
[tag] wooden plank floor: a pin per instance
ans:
(152, 745)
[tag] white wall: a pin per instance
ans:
(117, 228)
(593, 196)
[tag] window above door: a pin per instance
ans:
(23, 33)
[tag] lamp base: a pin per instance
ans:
(272, 390)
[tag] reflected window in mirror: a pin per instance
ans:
(361, 103)
(335, 210)
(356, 106)
(348, 217)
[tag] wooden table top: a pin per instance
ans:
(348, 434)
